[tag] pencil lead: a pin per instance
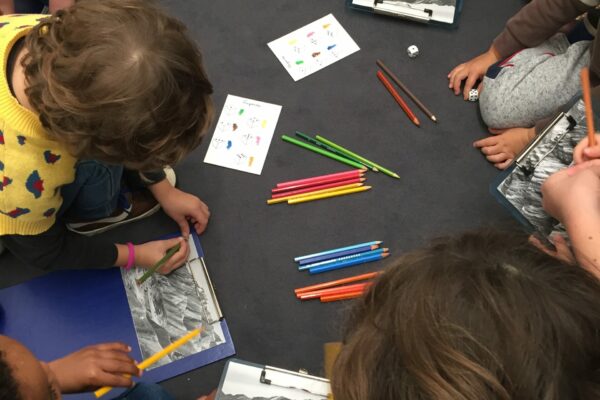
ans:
(433, 118)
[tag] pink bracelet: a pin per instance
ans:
(131, 256)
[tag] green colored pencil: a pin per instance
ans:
(322, 152)
(331, 149)
(354, 155)
(159, 264)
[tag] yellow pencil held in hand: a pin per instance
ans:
(156, 357)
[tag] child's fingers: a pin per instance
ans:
(457, 79)
(592, 152)
(488, 141)
(469, 85)
(496, 131)
(498, 158)
(184, 227)
(504, 164)
(490, 150)
(540, 246)
(115, 346)
(114, 379)
(177, 260)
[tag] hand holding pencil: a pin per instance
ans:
(149, 254)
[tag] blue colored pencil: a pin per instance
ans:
(354, 246)
(338, 254)
(338, 259)
(347, 263)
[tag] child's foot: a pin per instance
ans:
(502, 148)
(135, 205)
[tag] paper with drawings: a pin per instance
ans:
(313, 47)
(243, 134)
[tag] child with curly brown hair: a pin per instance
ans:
(482, 316)
(95, 101)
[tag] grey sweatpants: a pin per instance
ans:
(533, 83)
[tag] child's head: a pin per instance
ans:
(118, 81)
(481, 316)
(22, 376)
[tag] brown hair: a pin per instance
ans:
(118, 81)
(478, 317)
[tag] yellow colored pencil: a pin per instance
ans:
(154, 358)
(304, 199)
(296, 196)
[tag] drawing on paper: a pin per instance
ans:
(243, 135)
(165, 308)
(310, 48)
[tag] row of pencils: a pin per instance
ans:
(339, 258)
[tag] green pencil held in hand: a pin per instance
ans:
(159, 264)
(322, 152)
(356, 156)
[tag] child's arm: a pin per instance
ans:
(583, 152)
(7, 7)
(573, 197)
(58, 248)
(105, 364)
(534, 23)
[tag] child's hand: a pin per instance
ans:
(148, 254)
(583, 153)
(95, 366)
(573, 193)
(182, 207)
(210, 396)
(561, 250)
(472, 71)
(501, 148)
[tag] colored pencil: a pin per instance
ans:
(349, 257)
(159, 264)
(338, 254)
(587, 99)
(304, 199)
(313, 179)
(156, 357)
(323, 181)
(335, 189)
(406, 90)
(343, 296)
(345, 150)
(351, 247)
(318, 150)
(398, 99)
(347, 263)
(317, 187)
(335, 290)
(325, 285)
(325, 147)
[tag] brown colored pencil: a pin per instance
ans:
(406, 90)
(587, 99)
(411, 115)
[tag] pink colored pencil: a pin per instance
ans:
(315, 183)
(313, 179)
(318, 187)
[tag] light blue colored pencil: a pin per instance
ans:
(354, 246)
(335, 260)
(347, 263)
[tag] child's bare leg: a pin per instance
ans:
(504, 145)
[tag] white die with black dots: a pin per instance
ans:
(473, 95)
(412, 51)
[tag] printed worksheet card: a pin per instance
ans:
(243, 134)
(313, 47)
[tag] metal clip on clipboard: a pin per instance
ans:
(519, 160)
(393, 9)
(277, 377)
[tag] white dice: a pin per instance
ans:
(412, 51)
(473, 95)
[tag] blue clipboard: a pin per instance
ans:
(64, 311)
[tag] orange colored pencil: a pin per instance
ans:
(587, 99)
(343, 296)
(334, 290)
(338, 282)
(411, 115)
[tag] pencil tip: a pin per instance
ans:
(396, 176)
(433, 118)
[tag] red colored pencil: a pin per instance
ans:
(311, 185)
(587, 100)
(343, 296)
(342, 281)
(333, 290)
(318, 187)
(398, 99)
(313, 179)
